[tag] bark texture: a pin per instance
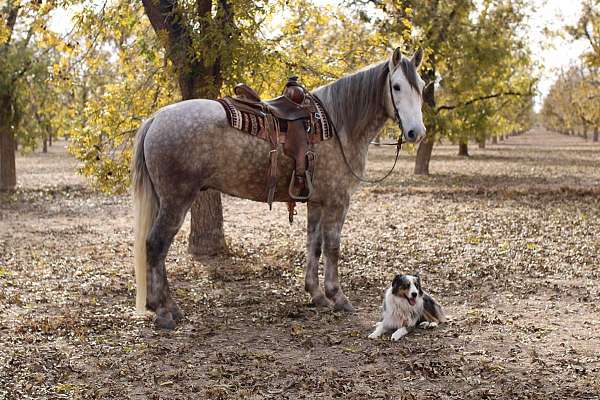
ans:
(463, 149)
(207, 237)
(423, 157)
(8, 172)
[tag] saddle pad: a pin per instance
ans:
(254, 124)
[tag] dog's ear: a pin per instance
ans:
(418, 284)
(396, 283)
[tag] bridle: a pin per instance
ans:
(396, 113)
(398, 144)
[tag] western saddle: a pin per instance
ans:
(296, 119)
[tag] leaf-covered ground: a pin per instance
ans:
(507, 240)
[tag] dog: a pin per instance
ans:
(405, 306)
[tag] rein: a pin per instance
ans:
(398, 144)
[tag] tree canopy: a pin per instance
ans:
(572, 105)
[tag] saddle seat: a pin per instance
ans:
(294, 119)
(284, 108)
(287, 107)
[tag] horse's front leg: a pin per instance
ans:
(314, 243)
(332, 221)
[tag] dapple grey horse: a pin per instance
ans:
(188, 147)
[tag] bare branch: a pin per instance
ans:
(481, 98)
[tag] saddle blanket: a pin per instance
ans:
(254, 124)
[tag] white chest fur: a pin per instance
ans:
(399, 313)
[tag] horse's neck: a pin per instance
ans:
(367, 135)
(356, 141)
(356, 105)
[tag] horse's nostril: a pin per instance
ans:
(411, 134)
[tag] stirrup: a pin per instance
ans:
(309, 185)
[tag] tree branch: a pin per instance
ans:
(481, 98)
(164, 16)
(11, 20)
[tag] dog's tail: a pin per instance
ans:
(432, 311)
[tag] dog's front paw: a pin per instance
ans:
(428, 325)
(373, 335)
(399, 334)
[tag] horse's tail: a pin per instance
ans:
(145, 207)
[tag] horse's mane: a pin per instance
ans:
(354, 100)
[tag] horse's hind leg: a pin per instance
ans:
(314, 243)
(332, 221)
(167, 223)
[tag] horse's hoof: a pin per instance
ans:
(346, 307)
(164, 321)
(321, 301)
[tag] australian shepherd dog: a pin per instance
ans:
(406, 306)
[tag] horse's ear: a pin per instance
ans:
(396, 57)
(417, 58)
(428, 94)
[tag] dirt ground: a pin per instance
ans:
(507, 240)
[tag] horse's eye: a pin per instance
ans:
(396, 87)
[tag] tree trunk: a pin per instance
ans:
(481, 143)
(196, 80)
(423, 157)
(463, 149)
(595, 135)
(494, 139)
(50, 139)
(8, 172)
(45, 144)
(207, 237)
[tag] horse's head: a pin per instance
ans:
(406, 94)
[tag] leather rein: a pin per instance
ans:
(398, 144)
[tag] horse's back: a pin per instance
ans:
(186, 118)
(191, 144)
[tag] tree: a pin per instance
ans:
(12, 62)
(196, 48)
(572, 105)
(27, 52)
(197, 78)
(588, 28)
(202, 40)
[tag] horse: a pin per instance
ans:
(188, 147)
